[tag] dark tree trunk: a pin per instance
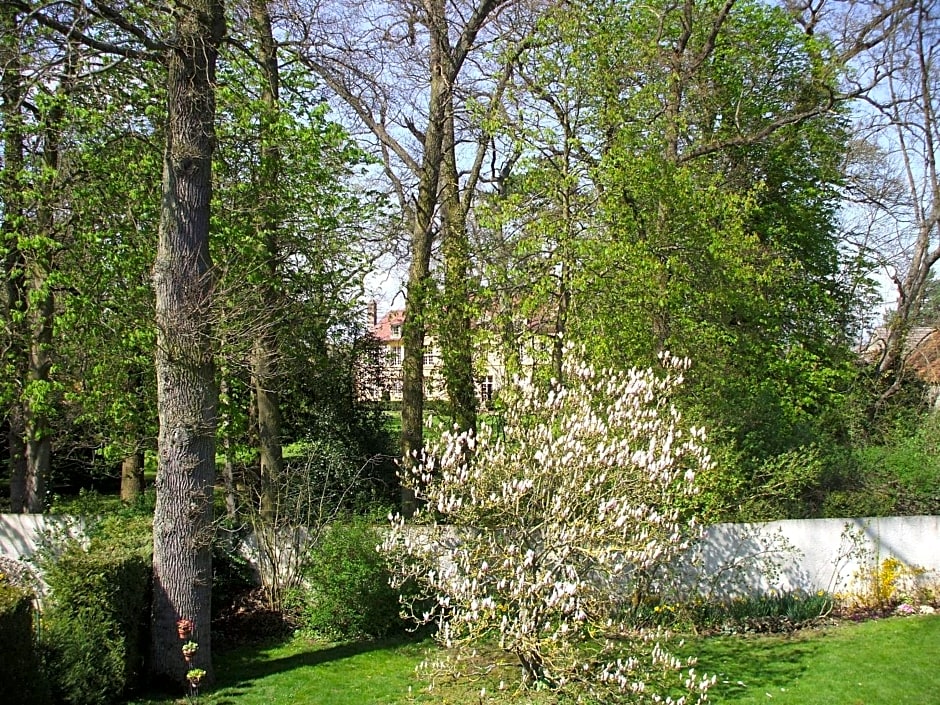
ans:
(187, 397)
(132, 466)
(268, 414)
(17, 459)
(265, 349)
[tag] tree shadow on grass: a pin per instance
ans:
(245, 665)
(745, 663)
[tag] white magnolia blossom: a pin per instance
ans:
(539, 533)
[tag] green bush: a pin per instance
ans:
(348, 595)
(87, 657)
(20, 662)
(898, 476)
(95, 625)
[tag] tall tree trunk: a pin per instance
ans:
(14, 302)
(415, 325)
(40, 301)
(456, 342)
(187, 398)
(265, 348)
(268, 412)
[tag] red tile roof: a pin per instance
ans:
(921, 351)
(383, 329)
(925, 356)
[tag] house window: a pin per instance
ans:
(428, 358)
(486, 389)
(396, 330)
(393, 356)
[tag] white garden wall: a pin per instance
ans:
(810, 554)
(21, 534)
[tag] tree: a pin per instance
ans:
(92, 114)
(677, 189)
(401, 79)
(897, 84)
(291, 244)
(34, 227)
(929, 314)
(537, 535)
(186, 392)
(13, 217)
(265, 347)
(187, 397)
(104, 309)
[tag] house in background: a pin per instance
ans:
(387, 331)
(921, 356)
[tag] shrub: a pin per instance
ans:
(20, 662)
(95, 625)
(86, 657)
(565, 507)
(347, 593)
(771, 612)
(898, 476)
(881, 584)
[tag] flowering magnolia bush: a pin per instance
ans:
(533, 533)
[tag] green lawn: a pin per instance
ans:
(888, 662)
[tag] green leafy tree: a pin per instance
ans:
(677, 191)
(35, 120)
(301, 283)
(104, 321)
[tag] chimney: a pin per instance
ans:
(373, 313)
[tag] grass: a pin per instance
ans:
(303, 672)
(885, 662)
